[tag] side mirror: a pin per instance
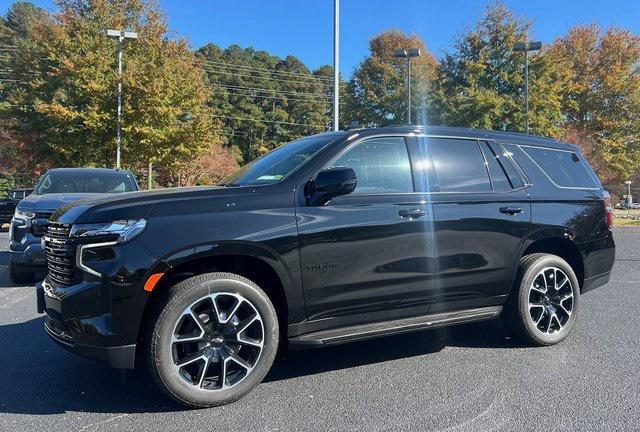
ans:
(331, 183)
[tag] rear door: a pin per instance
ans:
(482, 213)
(368, 255)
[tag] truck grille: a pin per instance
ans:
(61, 255)
(39, 223)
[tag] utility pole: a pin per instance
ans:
(408, 54)
(336, 64)
(526, 47)
(121, 35)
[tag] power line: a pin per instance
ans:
(269, 121)
(263, 90)
(269, 71)
(284, 80)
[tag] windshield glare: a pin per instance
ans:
(278, 163)
(85, 182)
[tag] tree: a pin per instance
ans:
(262, 100)
(602, 96)
(377, 93)
(481, 84)
(68, 98)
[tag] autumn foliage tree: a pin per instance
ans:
(69, 79)
(601, 100)
(377, 92)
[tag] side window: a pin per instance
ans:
(564, 168)
(459, 165)
(505, 156)
(499, 179)
(381, 164)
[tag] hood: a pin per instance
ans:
(50, 202)
(135, 205)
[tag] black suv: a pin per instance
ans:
(332, 238)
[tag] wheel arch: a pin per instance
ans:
(255, 262)
(558, 242)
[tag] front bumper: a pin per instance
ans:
(99, 316)
(86, 337)
(26, 249)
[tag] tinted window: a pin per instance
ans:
(563, 167)
(85, 182)
(506, 158)
(499, 179)
(279, 163)
(459, 165)
(381, 165)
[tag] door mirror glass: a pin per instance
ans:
(331, 183)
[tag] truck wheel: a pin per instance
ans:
(543, 306)
(19, 277)
(213, 339)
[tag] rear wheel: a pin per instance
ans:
(543, 308)
(20, 277)
(214, 339)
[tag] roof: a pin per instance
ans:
(90, 170)
(447, 131)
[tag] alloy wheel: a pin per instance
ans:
(551, 300)
(217, 341)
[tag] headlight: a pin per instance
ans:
(121, 230)
(23, 214)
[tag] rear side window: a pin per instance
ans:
(499, 179)
(564, 168)
(381, 165)
(459, 165)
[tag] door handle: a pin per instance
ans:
(412, 213)
(510, 210)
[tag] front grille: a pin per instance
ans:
(61, 255)
(39, 223)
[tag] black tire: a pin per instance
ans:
(160, 354)
(519, 316)
(20, 277)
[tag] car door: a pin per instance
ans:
(369, 255)
(482, 214)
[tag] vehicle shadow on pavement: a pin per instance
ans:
(486, 334)
(41, 378)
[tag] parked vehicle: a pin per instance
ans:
(8, 204)
(54, 189)
(332, 238)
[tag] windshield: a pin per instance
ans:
(278, 163)
(86, 182)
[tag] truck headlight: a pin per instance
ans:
(23, 215)
(121, 231)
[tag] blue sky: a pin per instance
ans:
(303, 27)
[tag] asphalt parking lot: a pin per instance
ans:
(472, 377)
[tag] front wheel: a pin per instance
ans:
(543, 307)
(214, 339)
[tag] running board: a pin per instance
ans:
(366, 331)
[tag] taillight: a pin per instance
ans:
(608, 209)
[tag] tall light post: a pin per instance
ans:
(629, 197)
(336, 64)
(121, 35)
(408, 54)
(526, 47)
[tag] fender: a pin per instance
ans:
(558, 232)
(290, 277)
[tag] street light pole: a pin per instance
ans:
(121, 35)
(526, 47)
(336, 64)
(408, 54)
(629, 197)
